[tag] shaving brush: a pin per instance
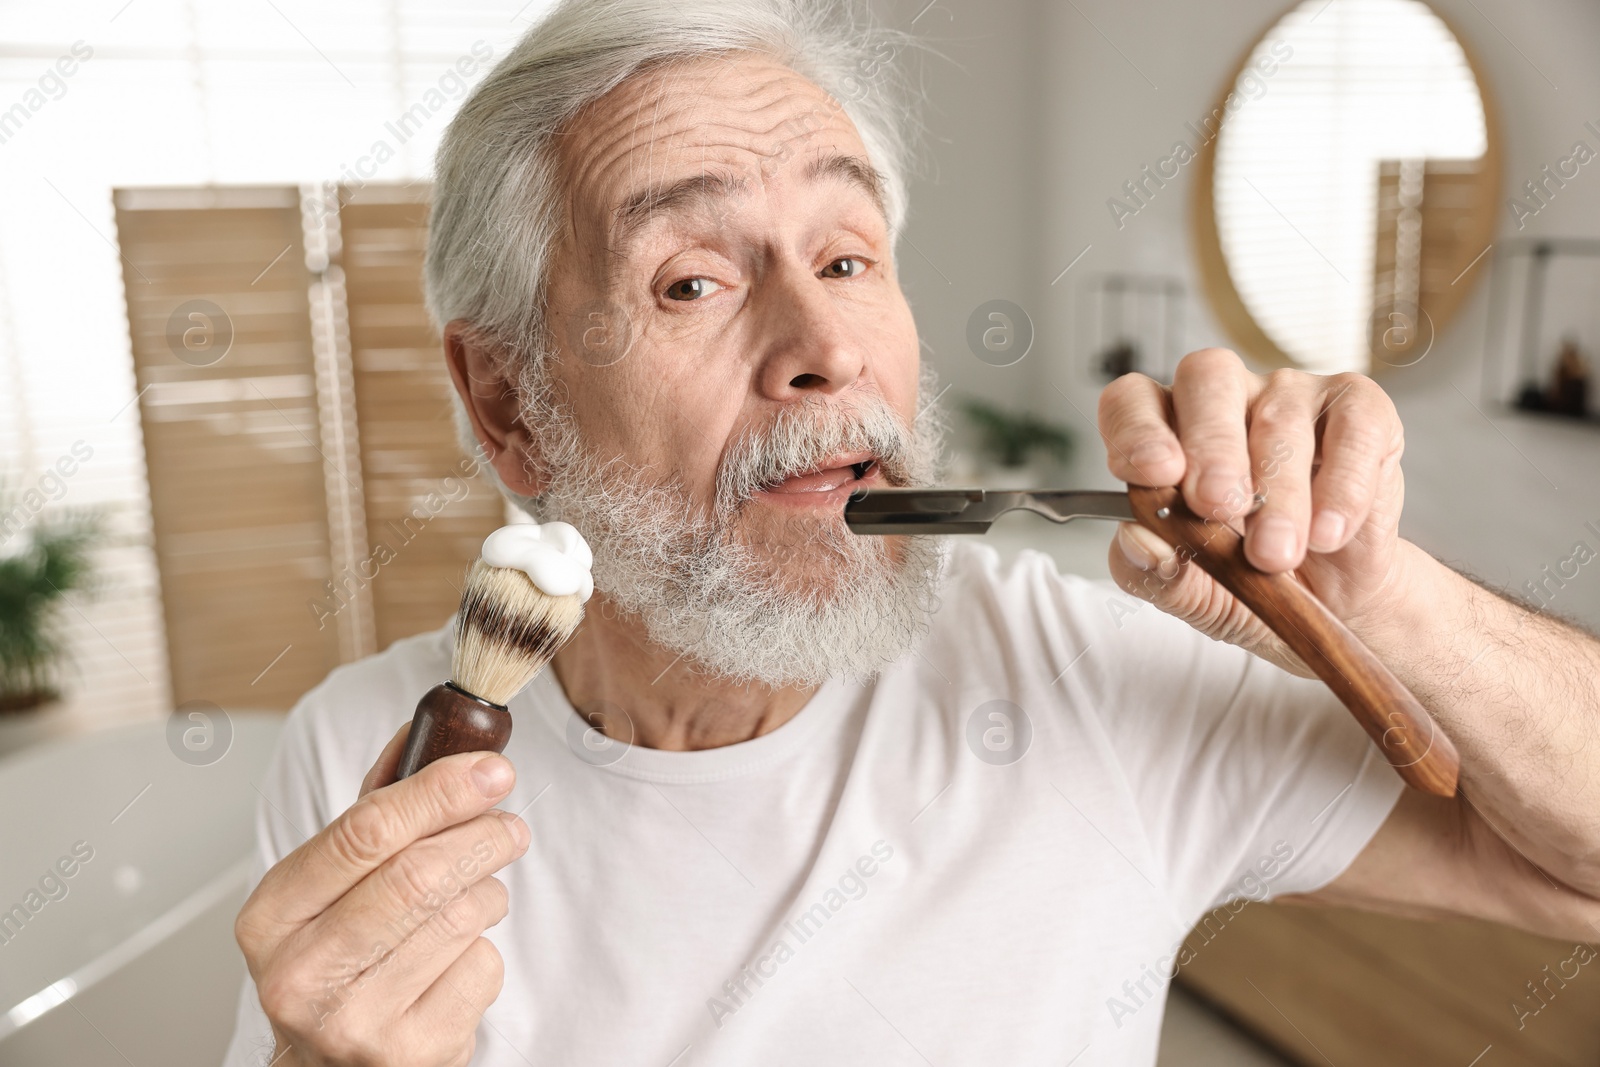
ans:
(521, 602)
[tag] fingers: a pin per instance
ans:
(358, 1020)
(1361, 432)
(461, 995)
(416, 964)
(371, 831)
(339, 981)
(1135, 418)
(415, 895)
(1211, 394)
(1148, 568)
(388, 763)
(1282, 436)
(1237, 435)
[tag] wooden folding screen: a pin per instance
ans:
(421, 501)
(218, 312)
(308, 499)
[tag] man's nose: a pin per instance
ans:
(808, 345)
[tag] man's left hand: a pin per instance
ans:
(1323, 453)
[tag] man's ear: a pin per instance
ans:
(479, 372)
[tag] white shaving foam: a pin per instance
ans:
(553, 554)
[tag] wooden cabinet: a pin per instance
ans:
(1333, 986)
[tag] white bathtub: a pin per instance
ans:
(131, 958)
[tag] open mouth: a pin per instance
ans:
(836, 477)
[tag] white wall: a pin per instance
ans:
(973, 231)
(1056, 104)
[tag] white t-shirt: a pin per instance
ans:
(991, 854)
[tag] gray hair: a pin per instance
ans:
(496, 204)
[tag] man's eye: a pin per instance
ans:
(855, 268)
(691, 289)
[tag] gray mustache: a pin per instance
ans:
(799, 438)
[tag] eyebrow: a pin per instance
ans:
(699, 191)
(695, 191)
(853, 170)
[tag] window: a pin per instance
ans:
(161, 93)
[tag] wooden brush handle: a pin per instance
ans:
(451, 720)
(1402, 727)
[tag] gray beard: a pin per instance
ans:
(813, 603)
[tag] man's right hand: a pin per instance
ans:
(365, 942)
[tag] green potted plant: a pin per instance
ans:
(53, 560)
(1014, 442)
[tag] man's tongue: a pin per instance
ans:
(815, 482)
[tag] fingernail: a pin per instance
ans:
(519, 829)
(1326, 530)
(1142, 548)
(492, 774)
(1274, 538)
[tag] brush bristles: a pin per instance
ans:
(507, 630)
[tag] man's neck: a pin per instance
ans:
(610, 667)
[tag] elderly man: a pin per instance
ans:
(795, 796)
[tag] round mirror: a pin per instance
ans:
(1347, 187)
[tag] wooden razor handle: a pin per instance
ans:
(451, 720)
(1401, 727)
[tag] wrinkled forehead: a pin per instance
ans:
(696, 135)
